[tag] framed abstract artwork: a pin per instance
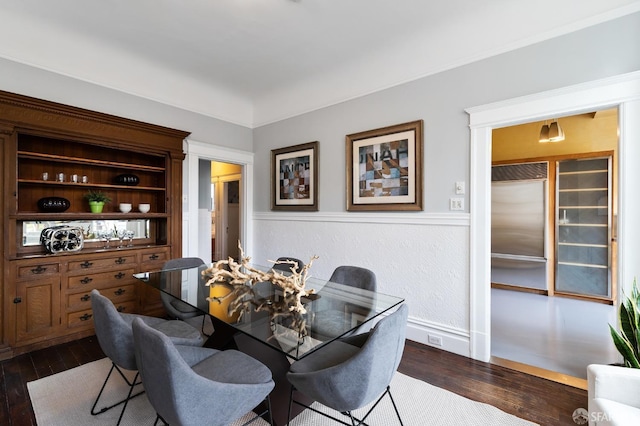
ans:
(384, 169)
(294, 177)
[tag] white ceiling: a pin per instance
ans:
(252, 62)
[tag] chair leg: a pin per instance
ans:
(267, 400)
(354, 420)
(131, 384)
(290, 404)
(386, 392)
(126, 401)
(204, 318)
(159, 418)
(395, 407)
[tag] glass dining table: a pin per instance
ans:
(264, 322)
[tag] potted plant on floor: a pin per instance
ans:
(627, 340)
(97, 200)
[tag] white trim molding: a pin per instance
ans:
(433, 219)
(622, 91)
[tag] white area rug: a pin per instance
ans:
(65, 399)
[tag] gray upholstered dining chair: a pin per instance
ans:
(350, 373)
(187, 385)
(354, 276)
(288, 266)
(333, 317)
(174, 307)
(115, 336)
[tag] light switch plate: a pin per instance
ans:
(459, 188)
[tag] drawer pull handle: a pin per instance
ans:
(38, 270)
(86, 280)
(121, 260)
(119, 275)
(86, 264)
(153, 257)
(85, 317)
(85, 298)
(119, 292)
(121, 308)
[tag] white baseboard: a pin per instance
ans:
(451, 339)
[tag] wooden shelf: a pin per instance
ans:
(87, 161)
(86, 215)
(90, 185)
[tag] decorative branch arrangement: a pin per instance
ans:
(239, 278)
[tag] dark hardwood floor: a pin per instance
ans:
(539, 400)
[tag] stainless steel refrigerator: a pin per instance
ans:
(519, 195)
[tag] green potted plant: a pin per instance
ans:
(97, 200)
(627, 340)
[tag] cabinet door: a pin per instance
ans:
(583, 261)
(37, 308)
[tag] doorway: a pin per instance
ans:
(552, 237)
(198, 197)
(622, 91)
(553, 207)
(225, 182)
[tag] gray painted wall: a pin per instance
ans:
(38, 83)
(604, 50)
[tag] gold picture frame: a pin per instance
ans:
(294, 177)
(384, 168)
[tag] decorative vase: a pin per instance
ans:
(96, 206)
(127, 179)
(53, 204)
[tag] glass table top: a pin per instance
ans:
(263, 312)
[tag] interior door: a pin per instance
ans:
(231, 219)
(583, 227)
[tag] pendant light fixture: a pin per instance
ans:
(551, 132)
(544, 133)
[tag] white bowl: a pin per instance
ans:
(144, 207)
(125, 207)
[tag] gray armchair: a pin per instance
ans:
(197, 386)
(350, 373)
(176, 308)
(354, 276)
(115, 336)
(334, 321)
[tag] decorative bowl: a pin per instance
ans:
(125, 207)
(127, 179)
(144, 208)
(53, 204)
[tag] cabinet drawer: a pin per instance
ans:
(85, 318)
(153, 259)
(101, 280)
(80, 301)
(106, 262)
(39, 269)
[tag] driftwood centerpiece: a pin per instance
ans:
(239, 278)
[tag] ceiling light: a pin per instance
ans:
(556, 134)
(551, 132)
(544, 133)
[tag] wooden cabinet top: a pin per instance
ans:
(23, 113)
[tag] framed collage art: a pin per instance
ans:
(384, 168)
(294, 177)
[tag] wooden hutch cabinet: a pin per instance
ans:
(55, 152)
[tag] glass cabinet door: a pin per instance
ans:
(583, 227)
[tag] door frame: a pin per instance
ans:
(621, 91)
(196, 151)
